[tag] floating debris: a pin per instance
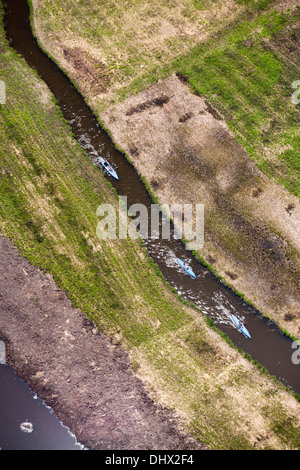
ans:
(26, 427)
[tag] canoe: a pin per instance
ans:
(108, 168)
(188, 269)
(243, 329)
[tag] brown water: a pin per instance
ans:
(271, 348)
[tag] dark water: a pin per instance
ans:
(268, 346)
(26, 423)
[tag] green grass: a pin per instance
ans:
(247, 77)
(244, 65)
(246, 71)
(49, 193)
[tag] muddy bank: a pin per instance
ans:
(188, 155)
(79, 372)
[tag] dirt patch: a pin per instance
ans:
(79, 372)
(252, 225)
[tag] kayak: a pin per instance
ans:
(242, 328)
(187, 268)
(108, 168)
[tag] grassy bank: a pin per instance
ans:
(241, 55)
(198, 161)
(248, 75)
(49, 193)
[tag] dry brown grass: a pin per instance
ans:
(223, 398)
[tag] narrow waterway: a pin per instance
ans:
(269, 346)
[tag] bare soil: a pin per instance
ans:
(78, 371)
(188, 155)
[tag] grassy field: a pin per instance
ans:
(248, 76)
(242, 55)
(49, 194)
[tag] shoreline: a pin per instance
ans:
(101, 401)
